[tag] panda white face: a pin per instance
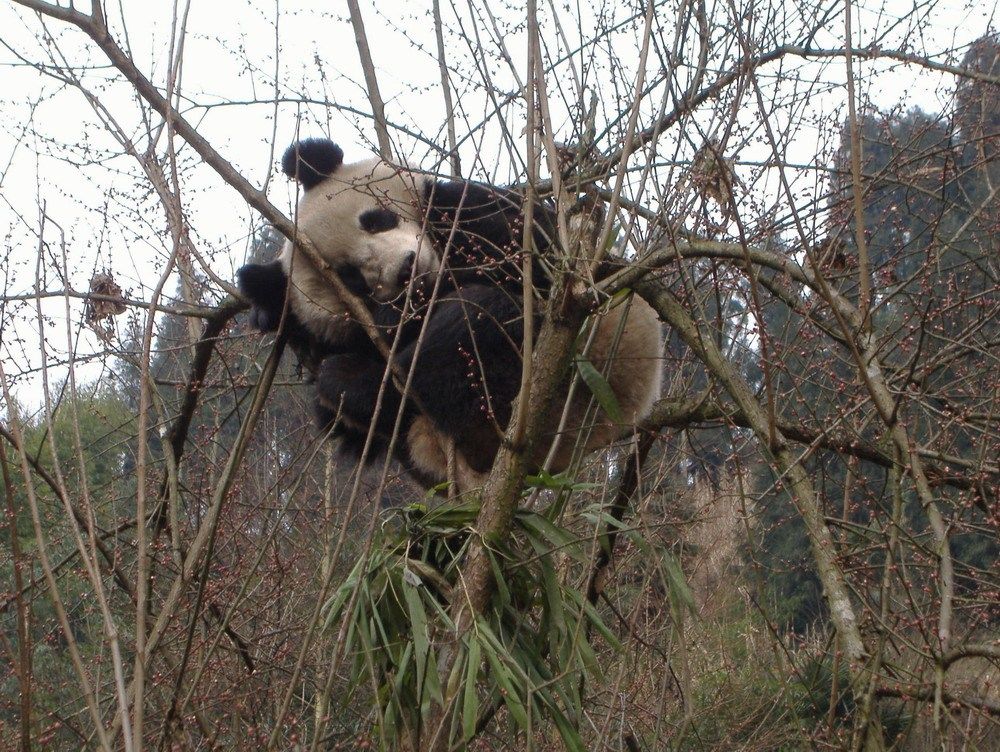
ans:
(388, 252)
(365, 221)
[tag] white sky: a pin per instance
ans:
(112, 221)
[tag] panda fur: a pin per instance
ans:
(393, 235)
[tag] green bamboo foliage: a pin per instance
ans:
(526, 654)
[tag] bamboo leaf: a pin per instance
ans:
(619, 297)
(501, 674)
(569, 734)
(613, 236)
(470, 699)
(432, 682)
(335, 604)
(680, 592)
(418, 627)
(600, 388)
(558, 538)
(553, 596)
(589, 658)
(557, 482)
(503, 592)
(596, 620)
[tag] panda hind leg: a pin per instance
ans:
(468, 369)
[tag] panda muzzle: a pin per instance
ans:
(406, 270)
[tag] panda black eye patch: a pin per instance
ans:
(378, 220)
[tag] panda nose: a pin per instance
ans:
(406, 269)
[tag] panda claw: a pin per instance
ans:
(265, 319)
(259, 319)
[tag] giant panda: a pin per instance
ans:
(437, 262)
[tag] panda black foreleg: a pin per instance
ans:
(352, 439)
(264, 285)
(468, 368)
(351, 382)
(466, 373)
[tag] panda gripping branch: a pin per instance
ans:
(438, 264)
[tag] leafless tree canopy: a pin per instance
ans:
(798, 549)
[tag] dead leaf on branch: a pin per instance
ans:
(106, 302)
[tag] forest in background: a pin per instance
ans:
(828, 433)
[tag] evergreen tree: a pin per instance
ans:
(931, 211)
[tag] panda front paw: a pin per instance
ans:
(264, 286)
(264, 319)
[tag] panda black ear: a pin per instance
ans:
(311, 161)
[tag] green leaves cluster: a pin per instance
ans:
(526, 653)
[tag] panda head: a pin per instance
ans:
(365, 220)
